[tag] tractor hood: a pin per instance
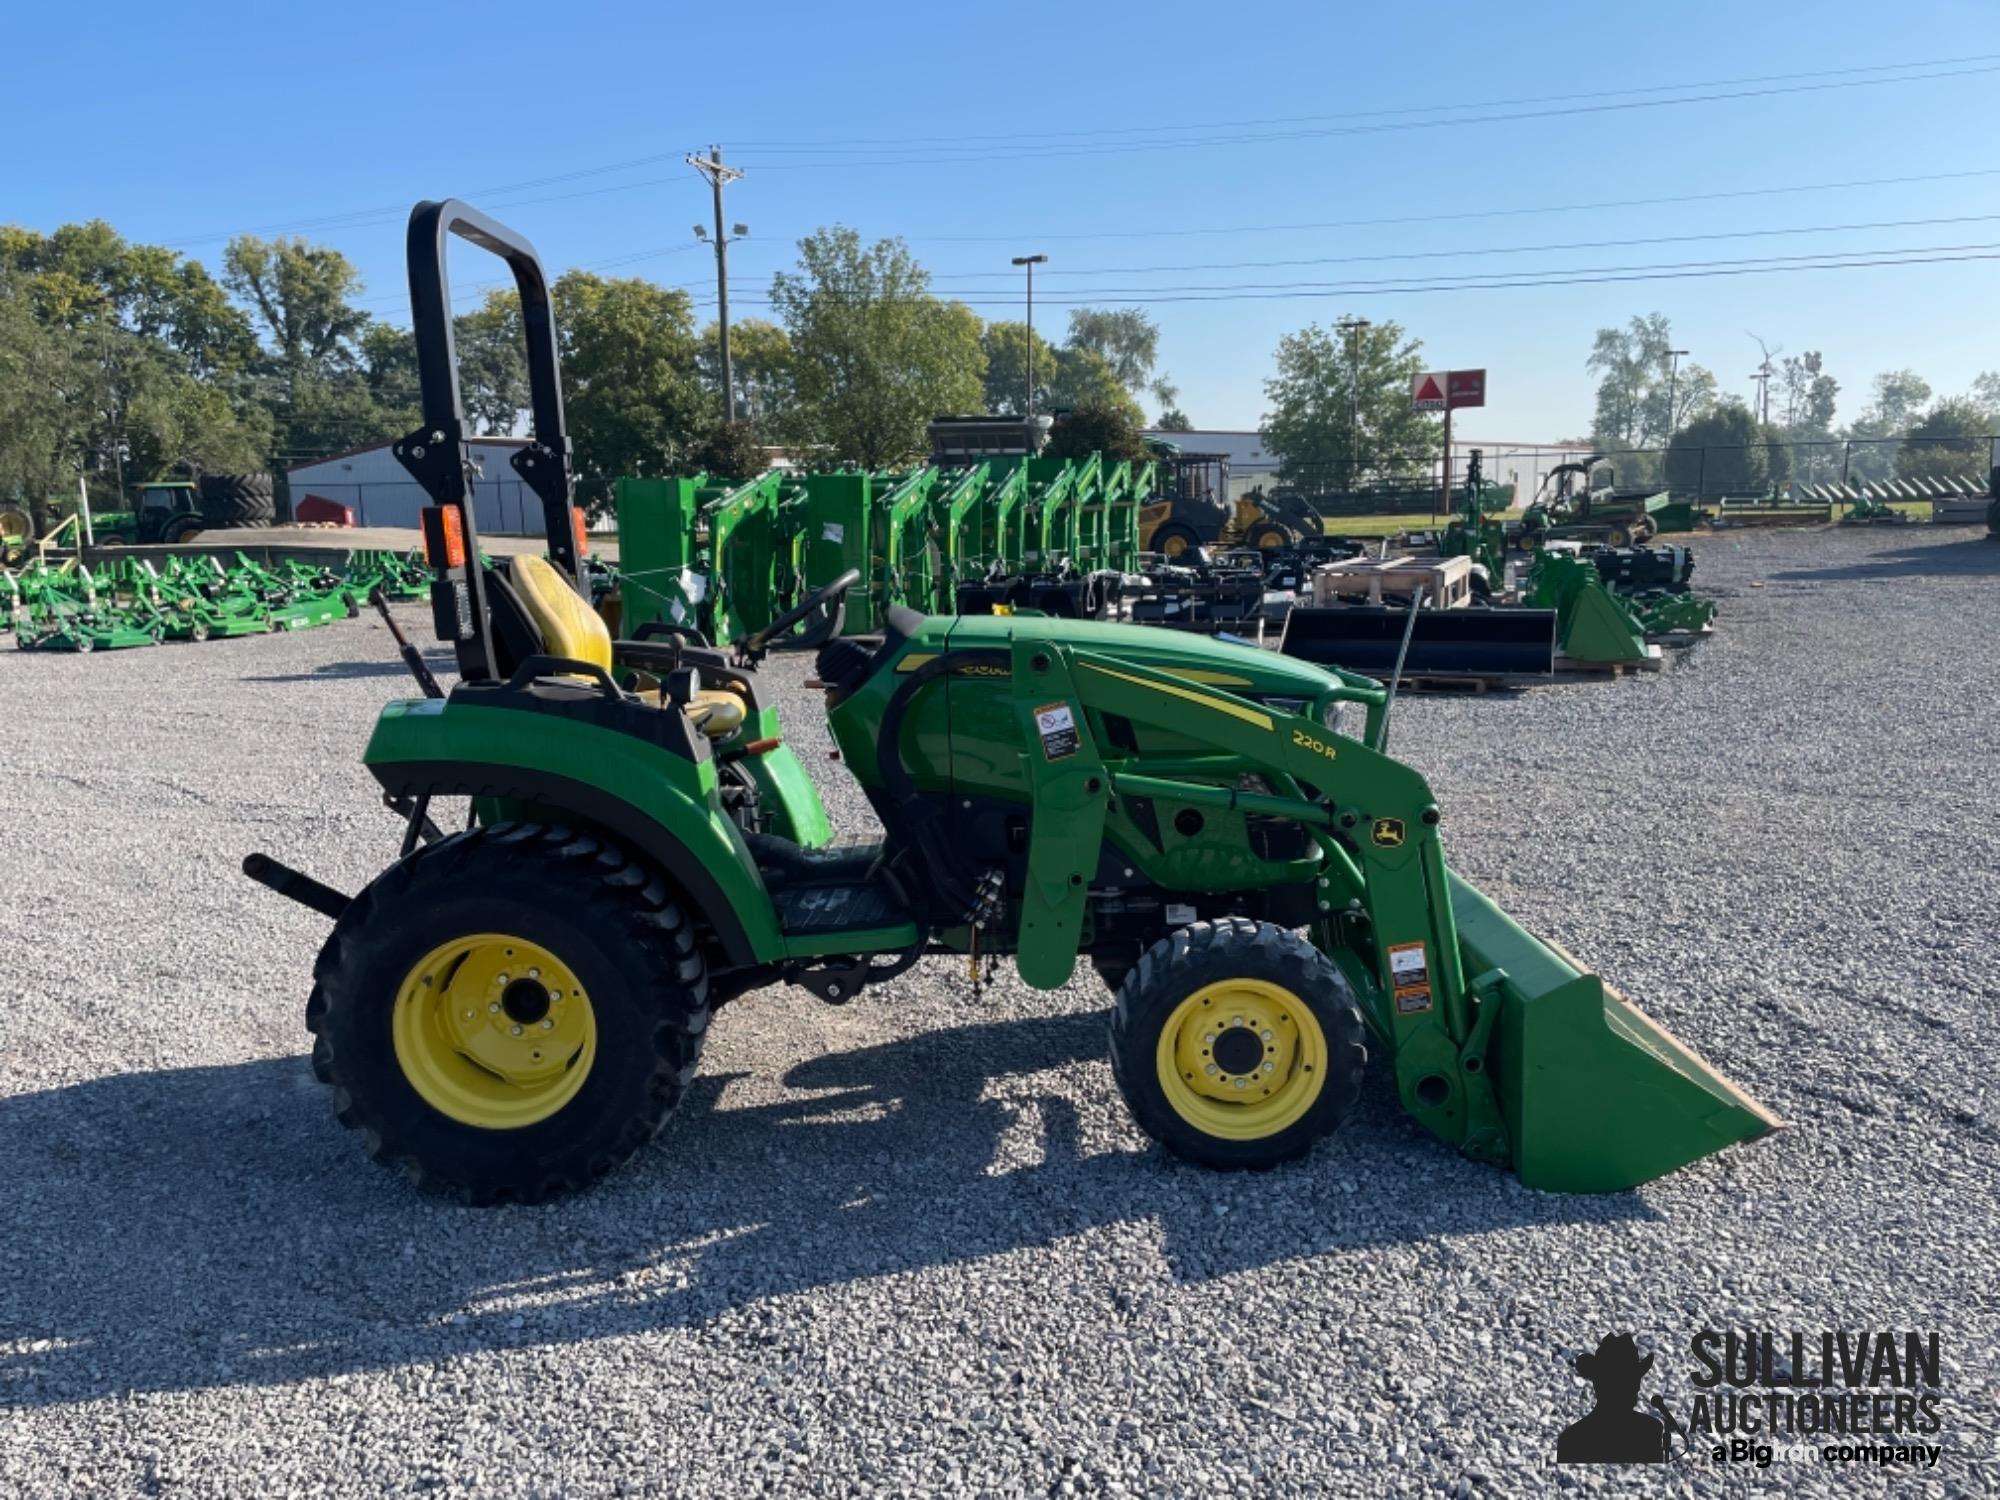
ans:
(1239, 667)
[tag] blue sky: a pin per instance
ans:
(982, 132)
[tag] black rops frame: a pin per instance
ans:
(436, 454)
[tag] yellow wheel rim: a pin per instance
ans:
(494, 1031)
(1242, 1059)
(1173, 546)
(1270, 541)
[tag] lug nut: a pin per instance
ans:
(1236, 1021)
(517, 1031)
(1212, 1070)
(1265, 1033)
(1241, 1082)
(494, 1007)
(534, 973)
(1209, 1038)
(501, 980)
(1270, 1067)
(548, 1025)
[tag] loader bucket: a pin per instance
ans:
(1366, 638)
(1596, 1095)
(1599, 629)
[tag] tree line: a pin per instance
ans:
(126, 363)
(1671, 423)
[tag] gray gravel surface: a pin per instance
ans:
(914, 1245)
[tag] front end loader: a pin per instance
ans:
(510, 1010)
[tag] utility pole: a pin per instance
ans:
(1352, 327)
(1674, 357)
(1031, 261)
(711, 167)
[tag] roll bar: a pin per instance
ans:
(436, 454)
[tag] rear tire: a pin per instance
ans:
(395, 1038)
(1237, 1044)
(239, 501)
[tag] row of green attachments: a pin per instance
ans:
(132, 601)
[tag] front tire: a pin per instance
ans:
(509, 1013)
(1237, 1044)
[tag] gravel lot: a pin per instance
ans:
(914, 1245)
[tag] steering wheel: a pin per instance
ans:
(760, 642)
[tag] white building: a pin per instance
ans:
(380, 491)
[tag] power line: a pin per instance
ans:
(1328, 132)
(1578, 276)
(1838, 78)
(1021, 136)
(1326, 260)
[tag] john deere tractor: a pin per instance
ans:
(510, 1010)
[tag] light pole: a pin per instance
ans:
(1351, 327)
(718, 175)
(1674, 357)
(1031, 261)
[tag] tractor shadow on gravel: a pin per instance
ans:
(348, 671)
(213, 1226)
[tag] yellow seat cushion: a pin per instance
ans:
(569, 626)
(716, 714)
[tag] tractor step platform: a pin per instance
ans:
(812, 910)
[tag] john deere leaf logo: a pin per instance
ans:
(1389, 833)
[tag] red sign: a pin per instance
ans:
(1440, 390)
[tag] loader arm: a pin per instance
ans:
(1502, 1045)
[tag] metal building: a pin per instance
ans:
(381, 492)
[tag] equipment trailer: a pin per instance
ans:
(511, 1010)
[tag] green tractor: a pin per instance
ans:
(511, 1010)
(167, 512)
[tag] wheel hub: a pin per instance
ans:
(1242, 1059)
(494, 1031)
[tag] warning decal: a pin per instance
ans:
(1410, 977)
(1057, 727)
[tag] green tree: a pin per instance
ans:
(1173, 419)
(1006, 348)
(1125, 338)
(1099, 427)
(634, 397)
(1950, 441)
(875, 355)
(164, 357)
(1644, 395)
(760, 367)
(1727, 452)
(1897, 398)
(302, 294)
(48, 405)
(1985, 394)
(1083, 379)
(1340, 406)
(492, 362)
(729, 450)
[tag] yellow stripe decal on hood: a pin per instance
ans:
(1220, 705)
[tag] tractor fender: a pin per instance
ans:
(603, 812)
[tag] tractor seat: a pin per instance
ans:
(570, 627)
